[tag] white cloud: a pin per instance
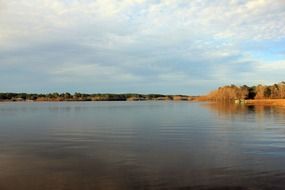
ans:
(224, 19)
(142, 41)
(95, 72)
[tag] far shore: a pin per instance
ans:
(60, 97)
(248, 102)
(220, 97)
(166, 100)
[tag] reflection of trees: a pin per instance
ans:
(227, 109)
(252, 112)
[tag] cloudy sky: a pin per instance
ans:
(158, 46)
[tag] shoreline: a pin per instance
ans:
(249, 102)
(266, 102)
(35, 101)
(56, 97)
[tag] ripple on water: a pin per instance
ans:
(141, 145)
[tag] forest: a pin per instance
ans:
(233, 92)
(87, 97)
(225, 93)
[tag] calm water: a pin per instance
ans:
(141, 145)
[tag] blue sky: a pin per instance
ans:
(170, 46)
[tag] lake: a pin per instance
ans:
(141, 145)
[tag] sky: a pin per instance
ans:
(156, 46)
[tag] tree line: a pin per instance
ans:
(86, 97)
(233, 92)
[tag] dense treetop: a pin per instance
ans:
(232, 92)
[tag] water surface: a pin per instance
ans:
(141, 145)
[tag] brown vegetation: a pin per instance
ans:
(254, 95)
(228, 93)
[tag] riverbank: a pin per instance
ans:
(249, 102)
(266, 102)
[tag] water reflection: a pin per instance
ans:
(141, 145)
(258, 113)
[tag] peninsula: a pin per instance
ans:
(249, 95)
